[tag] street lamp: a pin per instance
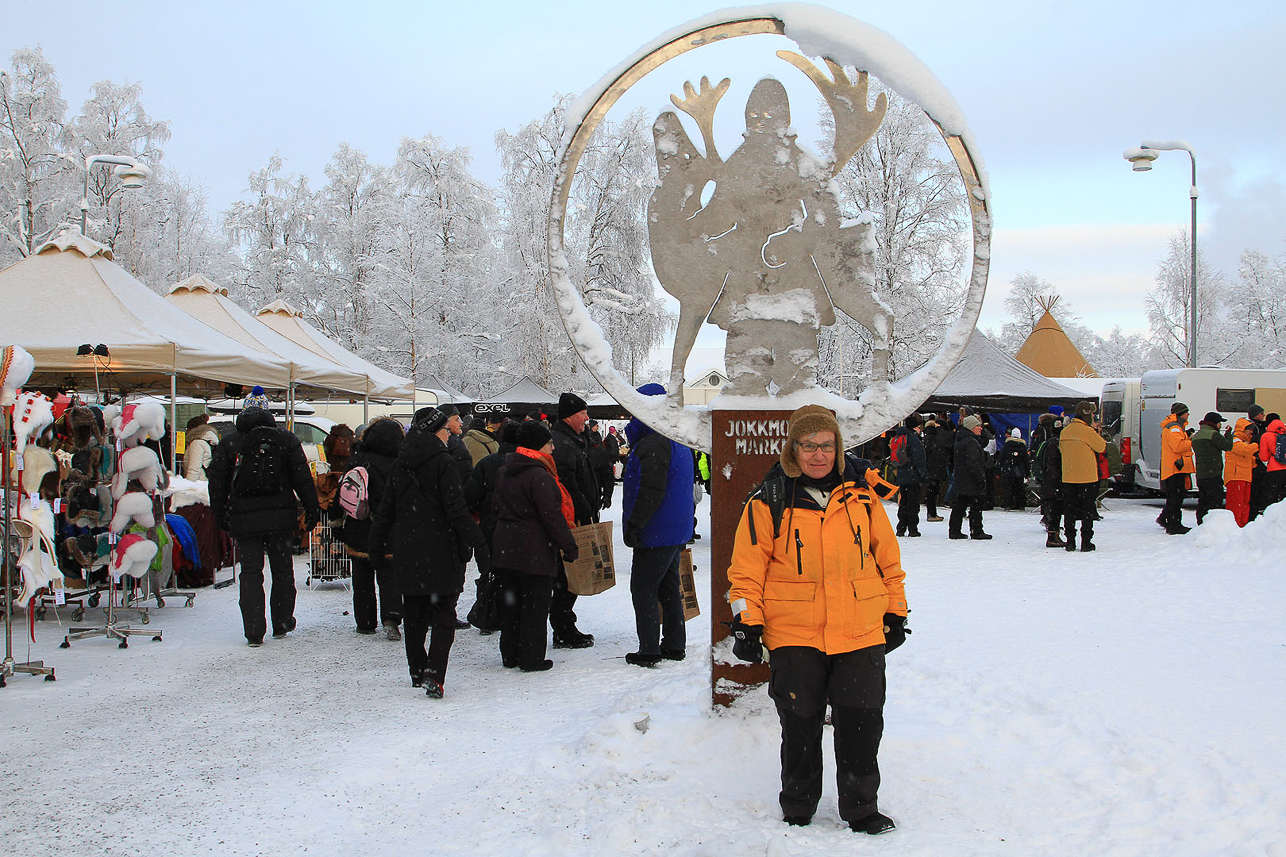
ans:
(131, 173)
(1141, 159)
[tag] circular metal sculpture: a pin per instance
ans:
(768, 257)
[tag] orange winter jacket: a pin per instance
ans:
(1175, 445)
(827, 578)
(1079, 444)
(1268, 446)
(1239, 462)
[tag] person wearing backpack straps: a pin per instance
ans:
(912, 470)
(381, 442)
(1272, 451)
(256, 475)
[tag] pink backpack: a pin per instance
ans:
(354, 494)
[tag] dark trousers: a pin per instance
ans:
(1015, 492)
(1079, 499)
(909, 508)
(654, 580)
(972, 502)
(802, 681)
(365, 579)
(1209, 496)
(1175, 487)
(432, 617)
(278, 547)
(562, 613)
(1274, 487)
(609, 488)
(931, 489)
(1258, 486)
(524, 610)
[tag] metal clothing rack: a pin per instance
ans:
(10, 666)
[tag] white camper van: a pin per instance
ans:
(1230, 392)
(1119, 410)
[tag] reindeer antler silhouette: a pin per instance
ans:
(701, 106)
(854, 123)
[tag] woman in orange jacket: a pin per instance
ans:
(1176, 464)
(816, 579)
(1238, 467)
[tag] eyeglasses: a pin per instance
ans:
(807, 447)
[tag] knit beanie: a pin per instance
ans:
(532, 435)
(570, 404)
(1254, 411)
(913, 421)
(808, 420)
(970, 422)
(1178, 408)
(429, 420)
(1056, 410)
(1015, 433)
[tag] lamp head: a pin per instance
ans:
(132, 176)
(1141, 158)
(85, 350)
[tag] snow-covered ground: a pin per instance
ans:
(1123, 702)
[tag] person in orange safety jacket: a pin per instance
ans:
(816, 579)
(1176, 464)
(1275, 477)
(1238, 469)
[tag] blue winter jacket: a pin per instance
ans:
(658, 488)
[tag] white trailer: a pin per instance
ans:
(1230, 392)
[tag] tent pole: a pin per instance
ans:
(174, 416)
(366, 409)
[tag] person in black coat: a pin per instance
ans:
(424, 532)
(381, 443)
(910, 476)
(1051, 486)
(530, 531)
(479, 489)
(970, 480)
(263, 518)
(571, 455)
(600, 461)
(1014, 464)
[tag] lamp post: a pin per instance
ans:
(1141, 159)
(131, 173)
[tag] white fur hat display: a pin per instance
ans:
(135, 507)
(137, 423)
(32, 414)
(36, 464)
(16, 366)
(139, 464)
(132, 556)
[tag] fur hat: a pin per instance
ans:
(430, 420)
(82, 427)
(134, 507)
(132, 556)
(1085, 411)
(970, 423)
(37, 463)
(32, 414)
(570, 404)
(141, 465)
(808, 420)
(532, 435)
(16, 366)
(137, 423)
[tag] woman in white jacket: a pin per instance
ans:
(201, 441)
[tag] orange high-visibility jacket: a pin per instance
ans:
(1175, 445)
(828, 577)
(1239, 462)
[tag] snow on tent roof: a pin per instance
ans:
(525, 392)
(1049, 351)
(289, 322)
(70, 293)
(987, 378)
(209, 304)
(444, 391)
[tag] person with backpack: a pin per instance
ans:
(424, 533)
(1176, 464)
(816, 580)
(1079, 445)
(479, 492)
(907, 453)
(1272, 452)
(1049, 467)
(1014, 464)
(256, 475)
(970, 481)
(1208, 446)
(360, 491)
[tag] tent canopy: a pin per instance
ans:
(209, 303)
(987, 379)
(71, 293)
(519, 400)
(289, 322)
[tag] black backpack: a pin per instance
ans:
(261, 464)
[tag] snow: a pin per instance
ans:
(1048, 703)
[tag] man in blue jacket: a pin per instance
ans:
(658, 516)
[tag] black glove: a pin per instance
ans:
(631, 536)
(311, 518)
(748, 644)
(895, 631)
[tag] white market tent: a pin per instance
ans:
(209, 303)
(988, 379)
(289, 322)
(71, 293)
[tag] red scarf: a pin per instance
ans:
(569, 510)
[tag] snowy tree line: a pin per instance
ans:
(428, 271)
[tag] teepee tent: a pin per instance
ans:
(70, 293)
(1049, 351)
(209, 304)
(289, 322)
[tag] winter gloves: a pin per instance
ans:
(747, 642)
(631, 536)
(895, 631)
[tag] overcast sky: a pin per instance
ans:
(1053, 92)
